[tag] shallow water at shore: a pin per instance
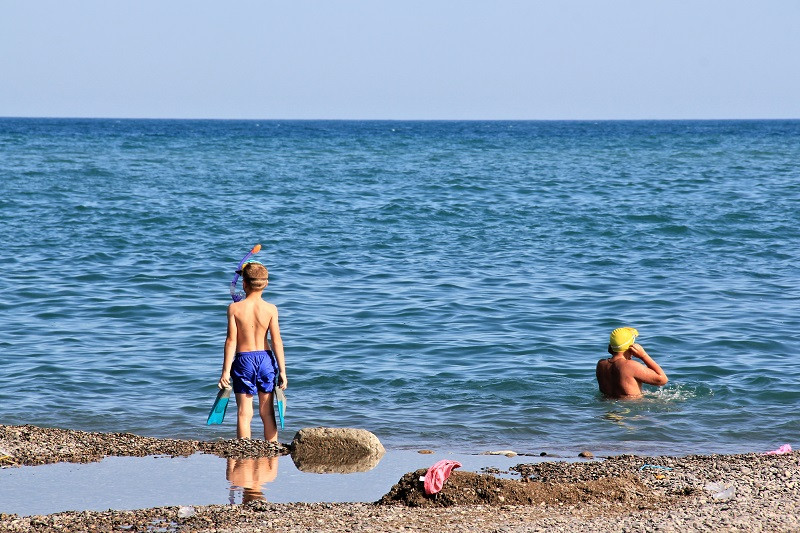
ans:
(202, 479)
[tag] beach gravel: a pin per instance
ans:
(31, 445)
(748, 492)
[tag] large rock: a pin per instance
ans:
(336, 450)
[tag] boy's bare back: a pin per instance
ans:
(249, 322)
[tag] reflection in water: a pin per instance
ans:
(329, 463)
(624, 412)
(248, 475)
(619, 416)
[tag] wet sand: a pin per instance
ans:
(750, 492)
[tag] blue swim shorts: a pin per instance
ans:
(254, 371)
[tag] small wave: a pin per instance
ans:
(677, 393)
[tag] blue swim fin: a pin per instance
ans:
(217, 414)
(280, 398)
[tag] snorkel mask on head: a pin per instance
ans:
(238, 295)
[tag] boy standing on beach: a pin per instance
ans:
(621, 377)
(248, 363)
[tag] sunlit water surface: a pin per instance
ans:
(442, 284)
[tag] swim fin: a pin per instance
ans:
(217, 414)
(280, 398)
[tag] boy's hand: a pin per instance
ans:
(283, 381)
(224, 381)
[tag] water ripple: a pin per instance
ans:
(444, 284)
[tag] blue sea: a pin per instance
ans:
(445, 285)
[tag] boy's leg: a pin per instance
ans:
(244, 414)
(267, 411)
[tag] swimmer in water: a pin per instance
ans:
(620, 376)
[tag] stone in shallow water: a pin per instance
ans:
(507, 453)
(336, 450)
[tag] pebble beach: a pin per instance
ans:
(747, 492)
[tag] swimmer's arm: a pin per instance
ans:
(277, 348)
(229, 351)
(652, 374)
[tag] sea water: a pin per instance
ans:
(442, 284)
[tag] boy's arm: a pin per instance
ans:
(229, 351)
(652, 375)
(277, 348)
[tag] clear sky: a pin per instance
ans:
(401, 59)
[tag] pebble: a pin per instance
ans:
(186, 512)
(507, 453)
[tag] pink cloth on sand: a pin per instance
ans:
(438, 474)
(786, 448)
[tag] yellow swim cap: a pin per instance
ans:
(622, 338)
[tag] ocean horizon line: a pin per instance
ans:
(407, 120)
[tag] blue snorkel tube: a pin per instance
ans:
(237, 295)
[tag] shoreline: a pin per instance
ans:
(753, 492)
